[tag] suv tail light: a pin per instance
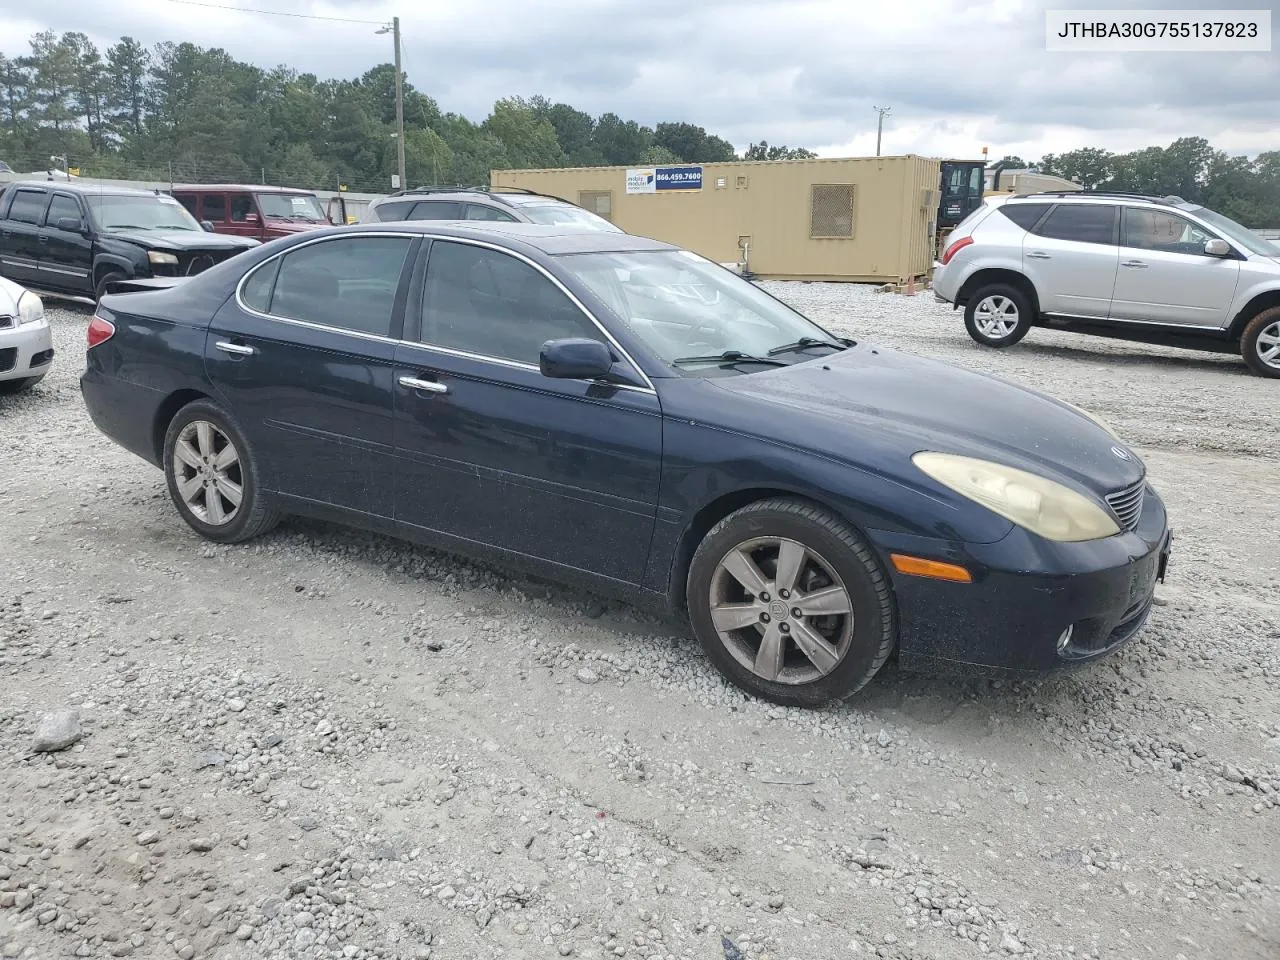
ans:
(955, 248)
(100, 331)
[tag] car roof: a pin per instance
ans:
(551, 239)
(247, 187)
(65, 186)
(1099, 196)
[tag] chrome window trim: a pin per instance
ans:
(500, 361)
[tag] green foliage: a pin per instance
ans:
(762, 151)
(196, 113)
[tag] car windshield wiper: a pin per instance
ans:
(804, 343)
(126, 226)
(730, 356)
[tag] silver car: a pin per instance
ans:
(1156, 270)
(26, 342)
(510, 204)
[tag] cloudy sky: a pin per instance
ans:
(957, 76)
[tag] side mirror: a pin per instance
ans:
(250, 218)
(70, 224)
(1217, 248)
(575, 358)
(208, 225)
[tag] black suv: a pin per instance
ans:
(481, 203)
(75, 239)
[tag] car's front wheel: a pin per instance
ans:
(1260, 343)
(790, 603)
(997, 315)
(213, 475)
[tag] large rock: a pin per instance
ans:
(57, 731)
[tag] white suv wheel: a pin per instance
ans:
(996, 316)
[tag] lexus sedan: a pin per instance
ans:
(625, 415)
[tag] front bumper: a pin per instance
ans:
(26, 351)
(1026, 593)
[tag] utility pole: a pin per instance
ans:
(395, 32)
(879, 125)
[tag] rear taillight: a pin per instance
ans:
(100, 330)
(955, 248)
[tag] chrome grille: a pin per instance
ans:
(1126, 504)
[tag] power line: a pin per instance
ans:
(276, 13)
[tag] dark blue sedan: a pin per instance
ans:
(626, 415)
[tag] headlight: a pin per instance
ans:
(1045, 508)
(159, 256)
(30, 308)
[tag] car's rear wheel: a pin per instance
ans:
(1260, 343)
(790, 603)
(10, 387)
(997, 315)
(213, 475)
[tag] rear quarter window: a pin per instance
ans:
(393, 211)
(1025, 215)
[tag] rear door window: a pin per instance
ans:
(348, 283)
(28, 206)
(215, 207)
(1081, 222)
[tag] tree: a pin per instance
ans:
(762, 151)
(621, 142)
(658, 155)
(1013, 162)
(1089, 166)
(14, 84)
(528, 140)
(128, 68)
(693, 144)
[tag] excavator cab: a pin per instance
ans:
(963, 185)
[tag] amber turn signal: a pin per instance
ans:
(920, 567)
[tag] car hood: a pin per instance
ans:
(873, 397)
(10, 293)
(183, 239)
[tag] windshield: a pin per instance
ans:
(684, 306)
(285, 206)
(1234, 231)
(139, 213)
(557, 213)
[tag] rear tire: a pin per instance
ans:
(1260, 343)
(9, 387)
(818, 621)
(997, 315)
(213, 476)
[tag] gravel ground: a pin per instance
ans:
(326, 744)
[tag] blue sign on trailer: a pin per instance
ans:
(678, 178)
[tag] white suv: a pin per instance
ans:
(1156, 270)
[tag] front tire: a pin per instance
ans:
(213, 476)
(997, 315)
(790, 603)
(1260, 343)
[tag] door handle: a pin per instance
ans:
(42, 238)
(239, 349)
(1134, 263)
(1037, 255)
(430, 386)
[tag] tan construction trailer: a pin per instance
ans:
(866, 219)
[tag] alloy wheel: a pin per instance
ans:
(781, 610)
(1268, 345)
(209, 477)
(996, 317)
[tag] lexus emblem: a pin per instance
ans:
(1122, 454)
